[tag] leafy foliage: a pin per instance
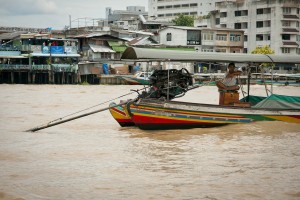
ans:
(263, 50)
(183, 20)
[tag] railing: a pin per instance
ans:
(13, 67)
(64, 67)
(41, 67)
(9, 48)
(55, 67)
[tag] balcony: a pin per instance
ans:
(292, 31)
(263, 17)
(290, 17)
(263, 30)
(9, 48)
(55, 67)
(289, 44)
(14, 67)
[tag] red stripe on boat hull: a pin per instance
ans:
(152, 123)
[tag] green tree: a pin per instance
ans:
(183, 20)
(263, 50)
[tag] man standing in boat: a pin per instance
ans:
(229, 82)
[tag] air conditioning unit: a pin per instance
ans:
(197, 49)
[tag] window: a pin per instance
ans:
(245, 38)
(259, 37)
(298, 38)
(223, 14)
(267, 10)
(208, 36)
(160, 7)
(238, 13)
(221, 50)
(235, 37)
(286, 23)
(297, 24)
(286, 37)
(105, 55)
(286, 50)
(160, 15)
(169, 14)
(268, 37)
(207, 50)
(237, 25)
(193, 37)
(221, 37)
(193, 5)
(297, 51)
(244, 25)
(217, 21)
(193, 13)
(176, 6)
(185, 5)
(169, 36)
(169, 6)
(244, 13)
(260, 11)
(259, 24)
(267, 23)
(286, 10)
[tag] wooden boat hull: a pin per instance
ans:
(120, 114)
(158, 115)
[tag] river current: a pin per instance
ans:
(94, 158)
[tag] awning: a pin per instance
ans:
(53, 55)
(101, 49)
(6, 56)
(192, 56)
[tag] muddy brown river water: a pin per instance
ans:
(94, 158)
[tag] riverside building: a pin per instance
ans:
(265, 22)
(169, 9)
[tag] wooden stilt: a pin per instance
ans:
(33, 78)
(12, 78)
(63, 78)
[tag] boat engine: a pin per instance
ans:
(173, 82)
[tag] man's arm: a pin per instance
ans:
(237, 73)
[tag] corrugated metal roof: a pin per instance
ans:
(54, 55)
(173, 55)
(11, 36)
(101, 49)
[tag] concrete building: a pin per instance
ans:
(126, 19)
(265, 22)
(169, 9)
(204, 39)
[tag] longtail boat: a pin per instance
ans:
(140, 78)
(155, 109)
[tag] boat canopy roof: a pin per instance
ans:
(276, 101)
(133, 53)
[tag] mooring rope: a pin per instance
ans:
(61, 118)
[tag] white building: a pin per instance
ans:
(128, 19)
(203, 39)
(169, 9)
(265, 22)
